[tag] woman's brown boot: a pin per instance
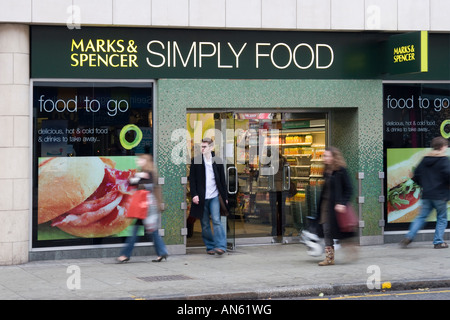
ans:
(329, 257)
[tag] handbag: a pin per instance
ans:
(138, 205)
(348, 219)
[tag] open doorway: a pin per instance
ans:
(274, 171)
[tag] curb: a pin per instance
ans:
(311, 290)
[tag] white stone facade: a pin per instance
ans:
(392, 15)
(17, 15)
(15, 143)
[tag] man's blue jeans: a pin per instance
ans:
(219, 239)
(441, 219)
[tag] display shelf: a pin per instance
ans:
(306, 144)
(302, 131)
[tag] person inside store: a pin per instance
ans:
(278, 193)
(433, 176)
(147, 179)
(207, 184)
(335, 195)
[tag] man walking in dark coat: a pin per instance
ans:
(207, 184)
(433, 175)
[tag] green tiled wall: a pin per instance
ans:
(355, 127)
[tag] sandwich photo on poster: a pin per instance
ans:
(403, 194)
(85, 197)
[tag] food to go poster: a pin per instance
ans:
(413, 114)
(86, 136)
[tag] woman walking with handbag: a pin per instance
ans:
(147, 179)
(334, 198)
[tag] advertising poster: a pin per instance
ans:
(86, 137)
(414, 114)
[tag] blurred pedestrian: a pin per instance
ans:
(433, 176)
(278, 192)
(334, 197)
(147, 179)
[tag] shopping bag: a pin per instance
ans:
(347, 220)
(151, 220)
(151, 223)
(139, 205)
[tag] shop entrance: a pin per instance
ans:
(274, 169)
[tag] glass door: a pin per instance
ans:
(302, 143)
(261, 175)
(279, 172)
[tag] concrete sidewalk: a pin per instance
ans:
(256, 272)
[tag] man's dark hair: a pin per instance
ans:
(438, 142)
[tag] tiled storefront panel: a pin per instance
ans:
(356, 128)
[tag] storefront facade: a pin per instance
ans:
(98, 80)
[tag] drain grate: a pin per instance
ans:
(165, 278)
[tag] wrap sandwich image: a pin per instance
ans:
(83, 196)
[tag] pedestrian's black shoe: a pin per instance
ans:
(441, 245)
(219, 251)
(404, 243)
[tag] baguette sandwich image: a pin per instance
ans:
(83, 196)
(403, 194)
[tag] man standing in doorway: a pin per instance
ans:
(207, 184)
(433, 175)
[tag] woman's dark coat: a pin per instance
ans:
(197, 183)
(340, 193)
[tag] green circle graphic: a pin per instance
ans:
(445, 134)
(130, 145)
